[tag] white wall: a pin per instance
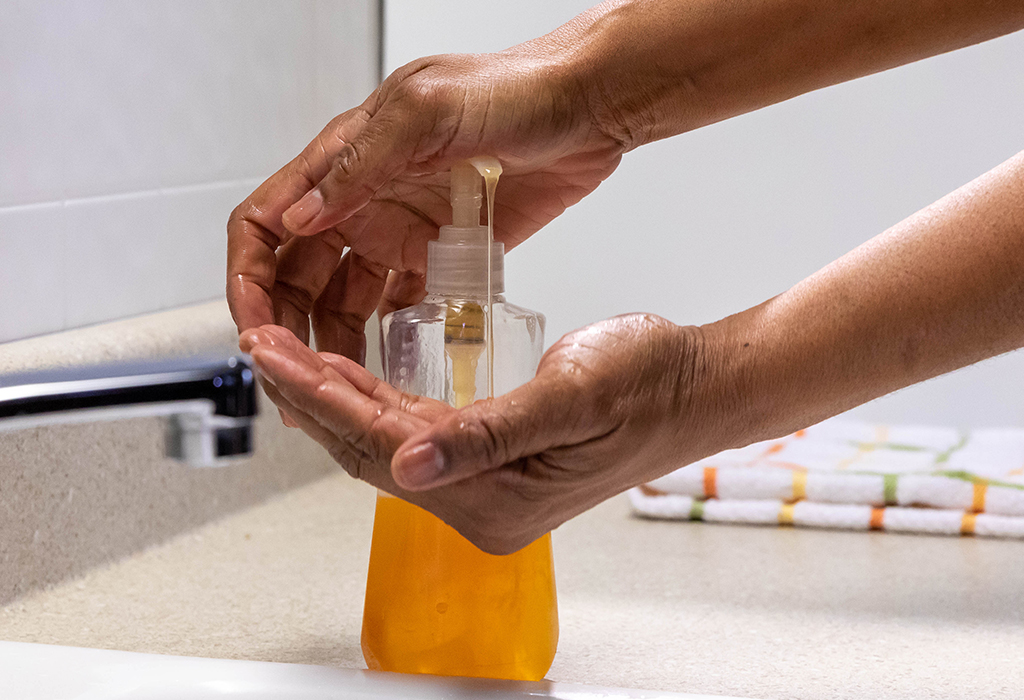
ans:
(709, 223)
(129, 130)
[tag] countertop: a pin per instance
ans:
(692, 607)
(74, 497)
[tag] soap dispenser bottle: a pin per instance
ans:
(434, 602)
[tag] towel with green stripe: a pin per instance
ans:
(856, 476)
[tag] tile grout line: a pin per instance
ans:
(163, 191)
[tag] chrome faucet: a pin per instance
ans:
(209, 403)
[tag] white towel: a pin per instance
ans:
(848, 475)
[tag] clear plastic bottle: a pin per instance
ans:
(434, 602)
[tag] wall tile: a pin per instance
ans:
(117, 248)
(31, 115)
(143, 125)
(213, 91)
(194, 257)
(346, 36)
(135, 253)
(31, 270)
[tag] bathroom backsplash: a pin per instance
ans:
(128, 132)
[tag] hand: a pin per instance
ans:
(613, 405)
(375, 180)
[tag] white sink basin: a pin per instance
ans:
(45, 672)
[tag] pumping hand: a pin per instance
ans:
(375, 181)
(612, 405)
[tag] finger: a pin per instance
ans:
(304, 269)
(282, 338)
(379, 390)
(284, 408)
(382, 149)
(372, 429)
(274, 335)
(356, 462)
(403, 289)
(341, 310)
(347, 369)
(540, 415)
(255, 228)
(343, 453)
(251, 263)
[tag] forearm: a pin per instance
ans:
(649, 69)
(939, 291)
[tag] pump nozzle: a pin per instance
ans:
(466, 195)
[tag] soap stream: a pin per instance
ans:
(490, 170)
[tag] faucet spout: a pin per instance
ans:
(209, 403)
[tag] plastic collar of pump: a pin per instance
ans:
(457, 263)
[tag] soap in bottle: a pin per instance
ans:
(434, 602)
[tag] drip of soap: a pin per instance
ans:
(490, 169)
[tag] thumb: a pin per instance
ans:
(373, 157)
(536, 417)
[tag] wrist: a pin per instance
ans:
(700, 409)
(598, 58)
(735, 391)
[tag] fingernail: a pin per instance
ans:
(249, 340)
(303, 211)
(259, 354)
(421, 466)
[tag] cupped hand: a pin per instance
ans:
(612, 405)
(318, 239)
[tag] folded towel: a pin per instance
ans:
(858, 476)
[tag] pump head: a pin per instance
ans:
(457, 260)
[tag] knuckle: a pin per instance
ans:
(407, 402)
(488, 440)
(234, 217)
(374, 269)
(344, 164)
(416, 93)
(352, 320)
(240, 219)
(350, 461)
(298, 297)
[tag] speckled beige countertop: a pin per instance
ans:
(73, 497)
(764, 612)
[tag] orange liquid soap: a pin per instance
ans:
(437, 604)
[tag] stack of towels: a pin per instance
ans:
(856, 476)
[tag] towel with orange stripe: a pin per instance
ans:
(856, 476)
